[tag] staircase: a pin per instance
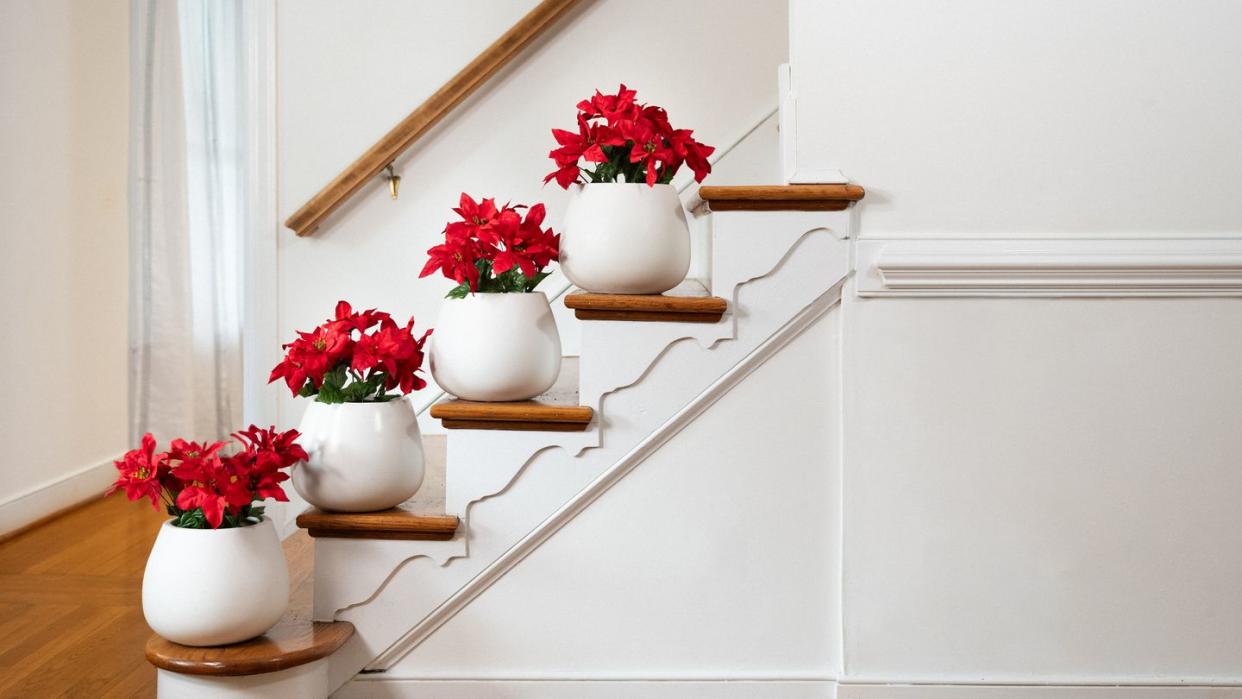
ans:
(516, 473)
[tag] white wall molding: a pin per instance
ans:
(788, 110)
(377, 686)
(1169, 266)
(56, 495)
(1030, 691)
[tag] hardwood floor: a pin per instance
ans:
(70, 602)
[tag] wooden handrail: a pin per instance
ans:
(428, 114)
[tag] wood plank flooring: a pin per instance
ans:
(70, 602)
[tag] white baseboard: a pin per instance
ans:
(1002, 691)
(376, 687)
(46, 499)
(364, 687)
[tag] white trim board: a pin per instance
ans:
(1079, 267)
(788, 110)
(1005, 691)
(364, 687)
(46, 499)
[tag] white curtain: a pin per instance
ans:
(187, 217)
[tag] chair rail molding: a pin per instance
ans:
(1069, 267)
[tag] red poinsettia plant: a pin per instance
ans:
(622, 139)
(494, 249)
(355, 357)
(200, 486)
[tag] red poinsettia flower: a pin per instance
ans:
(456, 257)
(194, 476)
(369, 344)
(649, 149)
(141, 472)
(635, 142)
(274, 450)
(585, 145)
(693, 153)
(614, 108)
(407, 354)
(313, 355)
(347, 320)
(484, 250)
(215, 491)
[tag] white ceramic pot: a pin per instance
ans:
(211, 587)
(496, 347)
(364, 457)
(625, 238)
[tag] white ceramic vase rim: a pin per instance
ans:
(169, 523)
(366, 402)
(624, 184)
(499, 293)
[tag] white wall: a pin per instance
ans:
(1032, 118)
(63, 131)
(714, 559)
(1043, 490)
(1036, 490)
(348, 72)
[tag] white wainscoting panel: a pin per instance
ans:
(1043, 491)
(715, 558)
(1050, 267)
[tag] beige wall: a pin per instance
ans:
(64, 80)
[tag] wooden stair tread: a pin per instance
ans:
(536, 414)
(554, 411)
(685, 304)
(789, 197)
(290, 643)
(401, 522)
(294, 640)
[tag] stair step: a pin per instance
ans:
(294, 641)
(395, 523)
(555, 411)
(688, 303)
(521, 415)
(791, 197)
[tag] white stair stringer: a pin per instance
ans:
(514, 490)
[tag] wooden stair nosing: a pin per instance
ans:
(514, 425)
(292, 642)
(394, 523)
(793, 197)
(647, 307)
(648, 316)
(530, 415)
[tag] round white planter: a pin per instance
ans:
(496, 347)
(625, 238)
(364, 457)
(211, 587)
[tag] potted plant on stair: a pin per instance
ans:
(496, 339)
(625, 229)
(216, 574)
(365, 451)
